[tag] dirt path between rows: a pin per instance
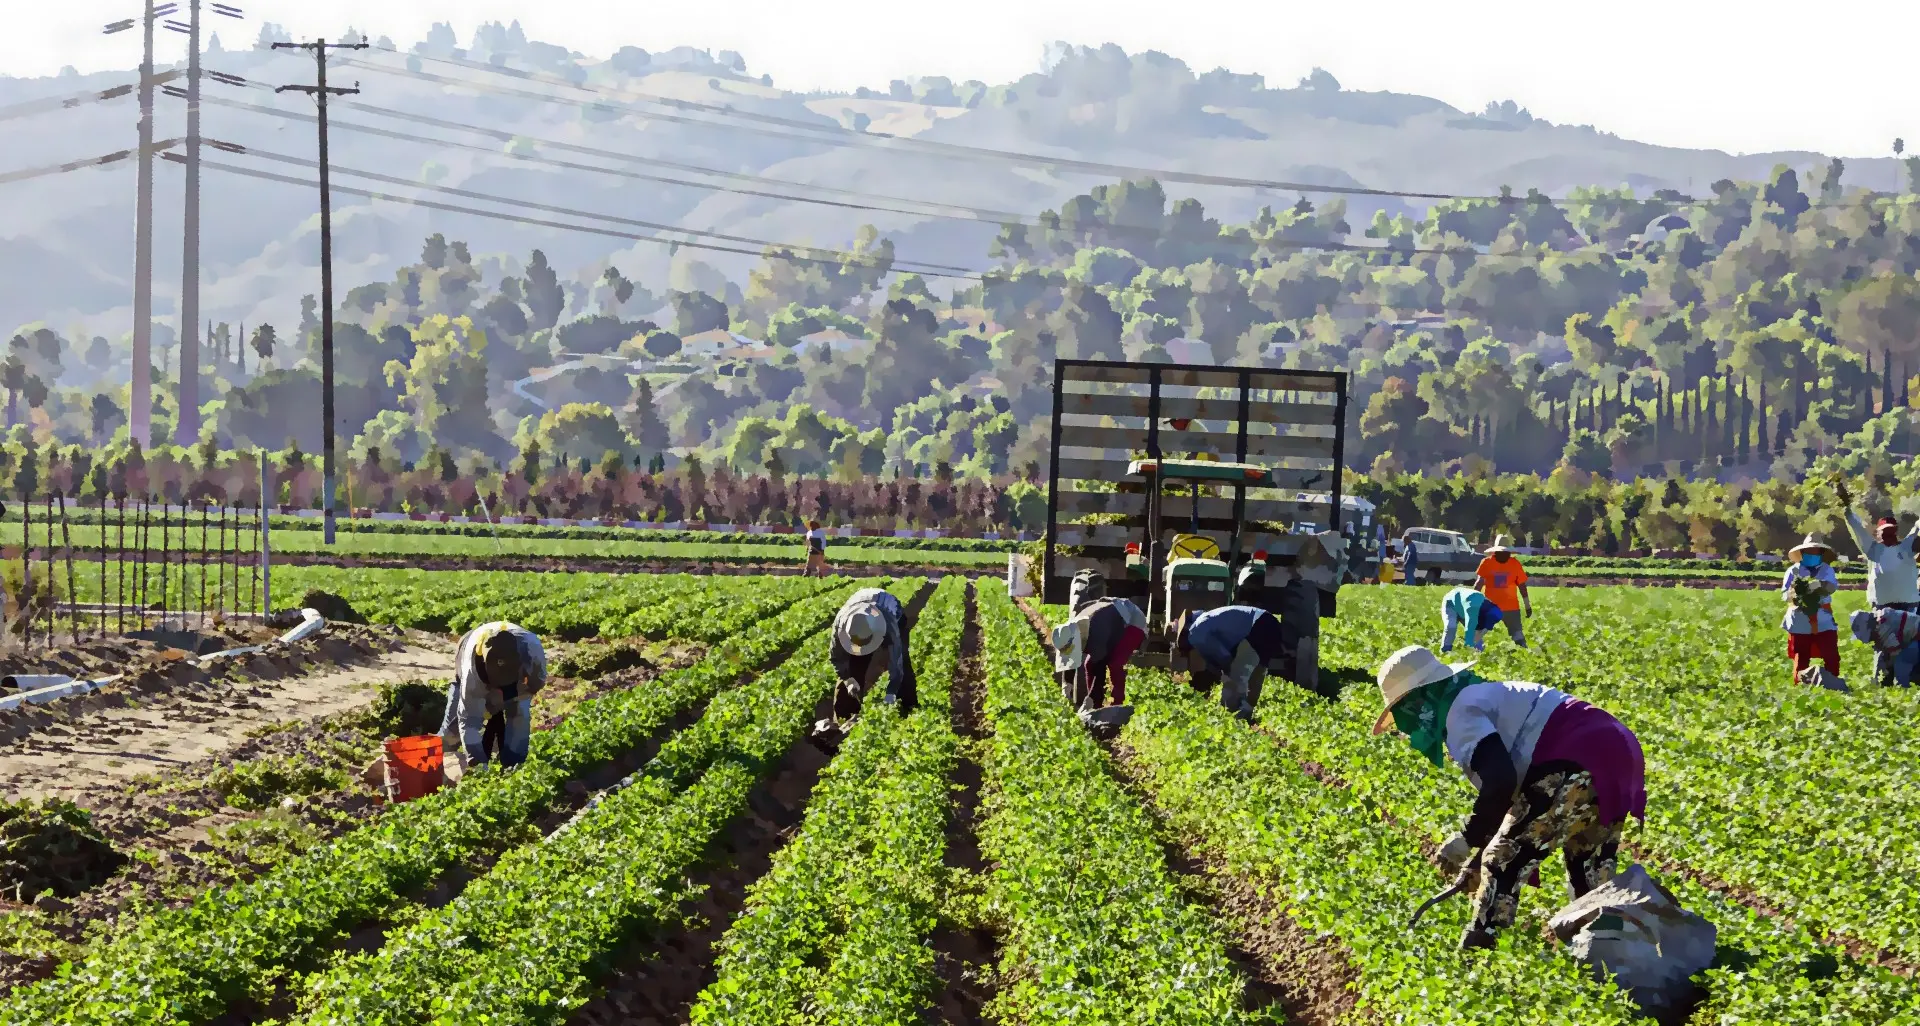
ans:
(966, 960)
(171, 730)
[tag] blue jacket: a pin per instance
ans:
(1217, 632)
(1471, 611)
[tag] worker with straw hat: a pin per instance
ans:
(1502, 579)
(1808, 588)
(1553, 772)
(869, 638)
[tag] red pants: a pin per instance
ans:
(1114, 667)
(1803, 649)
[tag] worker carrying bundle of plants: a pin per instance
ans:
(1895, 637)
(1096, 642)
(1553, 773)
(498, 668)
(1233, 645)
(1808, 588)
(1468, 610)
(870, 636)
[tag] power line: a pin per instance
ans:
(835, 134)
(104, 159)
(52, 103)
(536, 222)
(831, 255)
(999, 217)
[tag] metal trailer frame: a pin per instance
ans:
(1239, 410)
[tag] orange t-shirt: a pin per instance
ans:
(1503, 581)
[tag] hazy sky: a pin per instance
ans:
(1746, 76)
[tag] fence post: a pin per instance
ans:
(266, 558)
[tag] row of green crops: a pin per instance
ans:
(519, 944)
(1342, 873)
(187, 965)
(836, 931)
(609, 544)
(1796, 795)
(561, 605)
(1096, 928)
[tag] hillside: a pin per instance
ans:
(67, 258)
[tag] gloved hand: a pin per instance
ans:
(1453, 855)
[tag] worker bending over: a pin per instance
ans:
(870, 638)
(1233, 644)
(1468, 610)
(1895, 637)
(1552, 771)
(1096, 642)
(498, 668)
(1503, 581)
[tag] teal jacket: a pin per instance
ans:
(1465, 606)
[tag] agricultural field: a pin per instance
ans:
(682, 848)
(398, 540)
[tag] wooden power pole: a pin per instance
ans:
(320, 91)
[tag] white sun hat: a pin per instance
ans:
(1407, 671)
(863, 632)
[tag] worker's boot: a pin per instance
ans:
(1477, 939)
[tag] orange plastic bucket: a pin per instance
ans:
(414, 766)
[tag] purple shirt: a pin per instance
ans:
(1603, 746)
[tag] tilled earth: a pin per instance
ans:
(278, 787)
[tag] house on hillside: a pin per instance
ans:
(709, 345)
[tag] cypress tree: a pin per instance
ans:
(1707, 424)
(1760, 443)
(1744, 449)
(1729, 402)
(1886, 382)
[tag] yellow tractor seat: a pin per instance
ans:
(1193, 546)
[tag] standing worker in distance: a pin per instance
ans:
(1503, 581)
(1553, 773)
(498, 668)
(1467, 610)
(1233, 644)
(816, 550)
(1893, 578)
(1808, 588)
(870, 636)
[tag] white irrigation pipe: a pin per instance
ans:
(39, 689)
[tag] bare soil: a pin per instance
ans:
(231, 815)
(966, 959)
(171, 713)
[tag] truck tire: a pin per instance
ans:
(1433, 576)
(1306, 665)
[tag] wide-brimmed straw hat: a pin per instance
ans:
(1407, 671)
(1499, 545)
(863, 632)
(1813, 544)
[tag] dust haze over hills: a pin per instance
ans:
(67, 252)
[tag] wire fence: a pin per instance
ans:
(122, 565)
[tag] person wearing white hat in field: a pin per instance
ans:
(869, 638)
(1553, 772)
(1502, 579)
(1808, 588)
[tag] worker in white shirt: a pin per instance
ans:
(1893, 573)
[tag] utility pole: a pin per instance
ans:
(187, 424)
(320, 92)
(139, 417)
